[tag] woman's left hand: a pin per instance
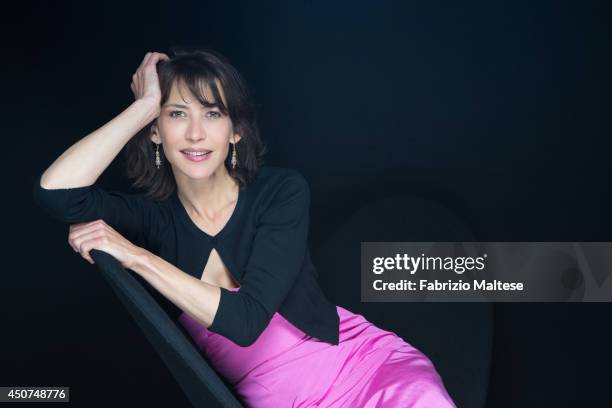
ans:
(84, 237)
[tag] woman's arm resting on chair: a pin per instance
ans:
(197, 298)
(85, 236)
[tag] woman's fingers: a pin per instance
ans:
(87, 245)
(159, 56)
(83, 236)
(74, 231)
(145, 82)
(152, 58)
(155, 57)
(137, 76)
(78, 230)
(91, 240)
(83, 243)
(144, 61)
(151, 67)
(99, 235)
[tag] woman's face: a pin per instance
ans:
(184, 125)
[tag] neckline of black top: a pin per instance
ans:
(183, 215)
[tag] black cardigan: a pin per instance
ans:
(264, 245)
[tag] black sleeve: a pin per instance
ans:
(128, 214)
(276, 259)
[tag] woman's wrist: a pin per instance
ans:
(139, 260)
(148, 108)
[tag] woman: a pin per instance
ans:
(224, 239)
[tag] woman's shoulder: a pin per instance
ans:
(276, 186)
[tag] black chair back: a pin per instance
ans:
(201, 384)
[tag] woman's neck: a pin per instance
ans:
(207, 198)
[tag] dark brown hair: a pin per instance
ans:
(197, 69)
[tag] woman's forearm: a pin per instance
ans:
(83, 162)
(197, 298)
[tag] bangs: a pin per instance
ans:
(202, 83)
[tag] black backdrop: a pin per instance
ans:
(497, 111)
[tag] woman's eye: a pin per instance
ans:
(173, 114)
(176, 114)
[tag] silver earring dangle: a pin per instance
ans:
(157, 158)
(234, 160)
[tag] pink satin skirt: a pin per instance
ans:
(370, 367)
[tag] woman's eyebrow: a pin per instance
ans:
(176, 105)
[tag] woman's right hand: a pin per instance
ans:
(145, 82)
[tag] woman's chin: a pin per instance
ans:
(199, 173)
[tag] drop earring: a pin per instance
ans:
(157, 158)
(234, 160)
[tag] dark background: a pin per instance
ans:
(497, 111)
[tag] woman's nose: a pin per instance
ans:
(196, 132)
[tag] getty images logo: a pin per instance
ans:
(457, 264)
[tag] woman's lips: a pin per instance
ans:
(197, 158)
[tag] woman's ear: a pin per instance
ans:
(155, 134)
(236, 138)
